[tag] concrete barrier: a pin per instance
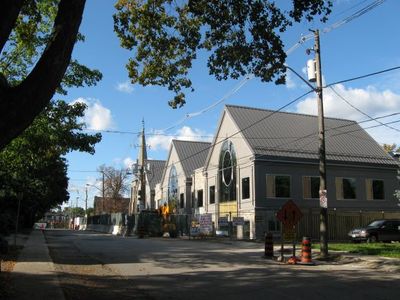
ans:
(112, 229)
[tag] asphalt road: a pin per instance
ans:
(99, 266)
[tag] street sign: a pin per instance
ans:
(289, 232)
(223, 221)
(323, 200)
(237, 221)
(289, 214)
(205, 222)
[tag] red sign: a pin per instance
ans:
(289, 214)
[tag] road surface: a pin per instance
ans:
(100, 266)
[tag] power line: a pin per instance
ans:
(302, 40)
(362, 76)
(338, 24)
(226, 96)
(360, 111)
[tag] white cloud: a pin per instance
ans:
(97, 117)
(125, 87)
(128, 162)
(290, 83)
(370, 100)
(161, 141)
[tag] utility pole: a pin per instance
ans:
(323, 226)
(315, 75)
(86, 201)
(143, 158)
(102, 200)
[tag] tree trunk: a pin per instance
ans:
(9, 11)
(19, 105)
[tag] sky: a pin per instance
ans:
(363, 45)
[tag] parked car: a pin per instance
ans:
(378, 230)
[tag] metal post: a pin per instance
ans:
(19, 196)
(86, 201)
(322, 155)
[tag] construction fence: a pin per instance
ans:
(150, 223)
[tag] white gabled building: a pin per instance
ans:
(259, 159)
(175, 188)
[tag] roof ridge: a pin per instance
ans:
(286, 112)
(186, 141)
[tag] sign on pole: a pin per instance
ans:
(289, 214)
(237, 221)
(323, 199)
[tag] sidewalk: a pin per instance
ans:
(34, 276)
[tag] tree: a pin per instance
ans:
(90, 211)
(243, 37)
(44, 31)
(75, 211)
(389, 148)
(115, 182)
(33, 166)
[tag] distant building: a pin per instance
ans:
(110, 205)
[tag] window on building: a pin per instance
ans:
(278, 186)
(246, 188)
(200, 198)
(212, 194)
(182, 200)
(345, 188)
(375, 189)
(310, 187)
(173, 187)
(227, 173)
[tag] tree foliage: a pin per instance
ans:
(33, 166)
(242, 36)
(115, 181)
(389, 148)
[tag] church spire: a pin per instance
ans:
(142, 157)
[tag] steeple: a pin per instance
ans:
(142, 156)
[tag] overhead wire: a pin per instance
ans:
(246, 79)
(302, 40)
(360, 111)
(362, 76)
(355, 15)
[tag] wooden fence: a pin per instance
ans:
(339, 222)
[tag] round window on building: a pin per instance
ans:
(227, 171)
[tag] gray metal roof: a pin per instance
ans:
(156, 171)
(292, 135)
(192, 155)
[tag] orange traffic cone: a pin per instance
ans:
(306, 252)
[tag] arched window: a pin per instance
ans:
(227, 172)
(172, 185)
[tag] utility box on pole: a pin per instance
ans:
(311, 74)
